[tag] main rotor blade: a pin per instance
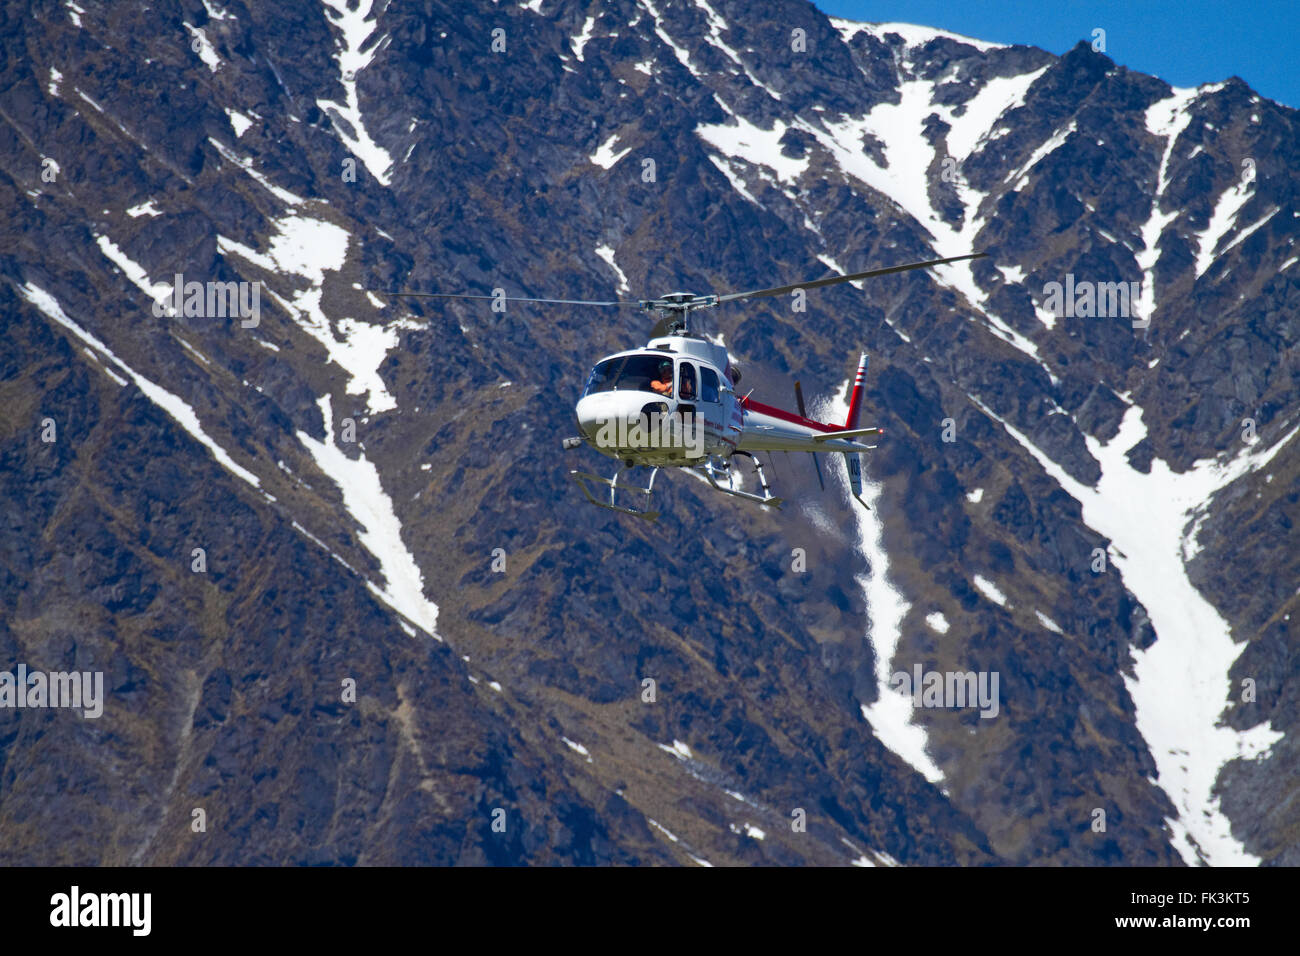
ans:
(835, 280)
(508, 298)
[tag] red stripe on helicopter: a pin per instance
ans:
(855, 399)
(750, 405)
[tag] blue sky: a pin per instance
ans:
(1184, 42)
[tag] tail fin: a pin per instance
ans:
(852, 460)
(855, 398)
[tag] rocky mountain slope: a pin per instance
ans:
(1088, 483)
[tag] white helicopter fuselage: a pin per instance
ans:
(694, 413)
(674, 403)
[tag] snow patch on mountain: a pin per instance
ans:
(1047, 622)
(891, 714)
(683, 57)
(353, 57)
(301, 245)
(133, 271)
(217, 13)
(976, 124)
(678, 750)
(605, 157)
(990, 590)
(1246, 233)
(173, 405)
(733, 177)
(576, 748)
(1222, 220)
(606, 253)
(742, 139)
(908, 174)
(877, 858)
(912, 34)
(146, 208)
(205, 49)
(716, 27)
(579, 42)
(238, 121)
(1054, 142)
(247, 166)
(1180, 685)
(309, 248)
(1166, 118)
(365, 499)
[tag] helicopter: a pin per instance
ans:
(673, 403)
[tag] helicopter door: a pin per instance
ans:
(687, 390)
(711, 408)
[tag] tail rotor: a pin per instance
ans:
(803, 412)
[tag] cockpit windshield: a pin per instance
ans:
(633, 373)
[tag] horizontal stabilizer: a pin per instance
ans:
(850, 433)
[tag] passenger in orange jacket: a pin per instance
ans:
(664, 383)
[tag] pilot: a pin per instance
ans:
(664, 383)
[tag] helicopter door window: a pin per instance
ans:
(709, 385)
(686, 390)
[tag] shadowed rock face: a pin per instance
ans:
(279, 690)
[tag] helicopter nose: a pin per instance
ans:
(595, 412)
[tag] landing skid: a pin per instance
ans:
(582, 477)
(714, 468)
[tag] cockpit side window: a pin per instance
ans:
(709, 385)
(686, 389)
